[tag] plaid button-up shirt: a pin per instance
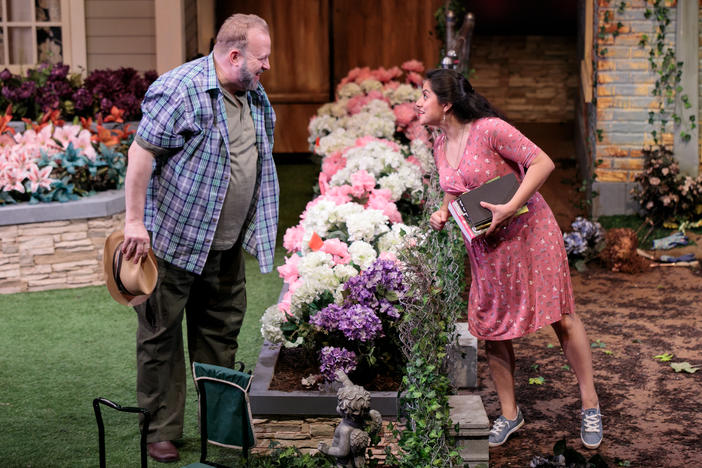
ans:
(184, 114)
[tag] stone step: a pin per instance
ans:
(468, 412)
(464, 370)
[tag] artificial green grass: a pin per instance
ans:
(61, 349)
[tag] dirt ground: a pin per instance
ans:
(650, 412)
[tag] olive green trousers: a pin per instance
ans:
(214, 303)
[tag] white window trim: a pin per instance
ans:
(72, 37)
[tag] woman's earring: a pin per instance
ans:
(443, 118)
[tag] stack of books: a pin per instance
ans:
(473, 219)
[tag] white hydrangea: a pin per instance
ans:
(407, 178)
(334, 109)
(322, 125)
(403, 93)
(362, 254)
(366, 226)
(371, 84)
(337, 140)
(362, 124)
(271, 321)
(349, 90)
(397, 238)
(376, 157)
(344, 272)
(378, 108)
(423, 153)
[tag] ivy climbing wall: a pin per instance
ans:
(624, 88)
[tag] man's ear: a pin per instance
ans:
(235, 55)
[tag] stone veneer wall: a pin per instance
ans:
(529, 78)
(307, 433)
(623, 92)
(54, 254)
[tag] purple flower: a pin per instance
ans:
(357, 322)
(82, 99)
(331, 359)
(59, 72)
(5, 75)
(377, 287)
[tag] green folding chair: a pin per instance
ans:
(225, 412)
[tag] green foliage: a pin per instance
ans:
(434, 269)
(668, 71)
(289, 457)
(665, 357)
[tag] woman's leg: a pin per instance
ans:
(576, 347)
(500, 357)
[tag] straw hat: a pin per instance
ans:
(129, 283)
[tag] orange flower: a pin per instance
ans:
(103, 135)
(124, 133)
(86, 122)
(5, 119)
(115, 115)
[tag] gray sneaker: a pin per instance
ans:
(591, 428)
(502, 428)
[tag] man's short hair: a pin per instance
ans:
(234, 30)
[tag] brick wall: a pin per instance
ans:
(529, 78)
(623, 91)
(55, 254)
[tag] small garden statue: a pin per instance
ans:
(359, 424)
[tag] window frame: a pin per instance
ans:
(72, 26)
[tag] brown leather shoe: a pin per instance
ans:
(164, 451)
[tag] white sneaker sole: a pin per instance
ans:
(512, 431)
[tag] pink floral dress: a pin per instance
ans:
(520, 275)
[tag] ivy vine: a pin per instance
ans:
(661, 58)
(434, 270)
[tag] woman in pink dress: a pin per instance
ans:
(519, 268)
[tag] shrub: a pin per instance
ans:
(662, 192)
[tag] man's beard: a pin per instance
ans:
(248, 79)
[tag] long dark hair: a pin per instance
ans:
(453, 88)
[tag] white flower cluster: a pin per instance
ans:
(337, 140)
(367, 225)
(371, 85)
(398, 237)
(423, 153)
(326, 216)
(403, 93)
(376, 157)
(407, 178)
(362, 254)
(349, 90)
(271, 322)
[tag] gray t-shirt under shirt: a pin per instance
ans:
(243, 158)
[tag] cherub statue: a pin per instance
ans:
(353, 434)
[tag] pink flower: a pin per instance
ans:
(380, 200)
(413, 66)
(364, 140)
(284, 304)
(39, 177)
(289, 271)
(391, 86)
(323, 181)
(404, 113)
(388, 256)
(415, 78)
(338, 250)
(339, 194)
(333, 163)
(292, 241)
(356, 103)
(383, 75)
(415, 161)
(416, 131)
(362, 182)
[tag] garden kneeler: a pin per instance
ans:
(225, 413)
(101, 427)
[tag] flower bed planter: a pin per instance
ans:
(266, 402)
(56, 245)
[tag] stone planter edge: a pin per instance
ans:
(104, 203)
(265, 402)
